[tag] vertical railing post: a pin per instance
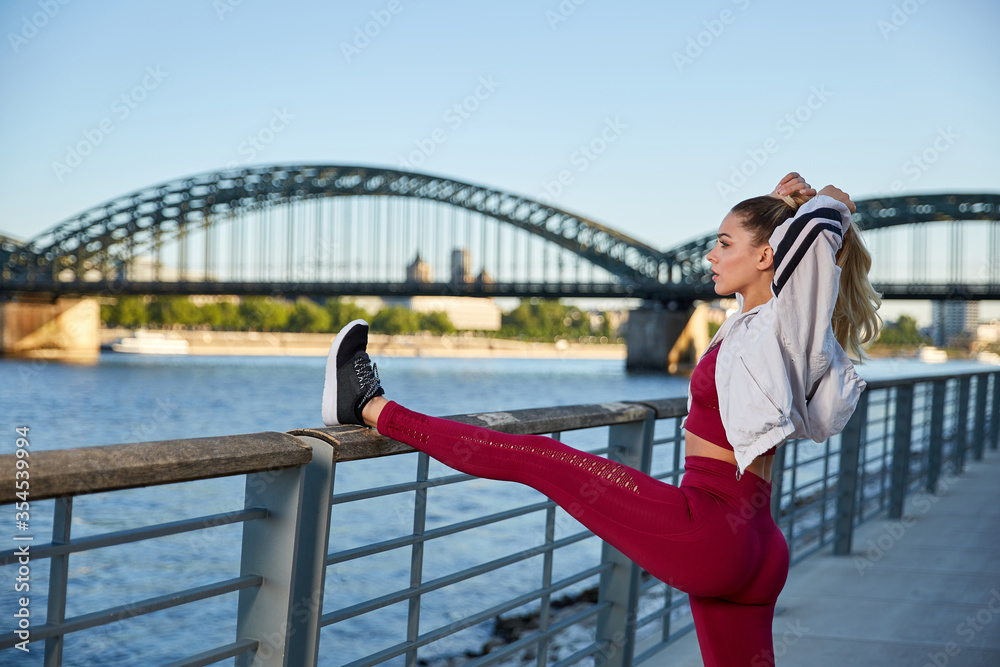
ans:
(962, 424)
(979, 430)
(936, 442)
(995, 412)
(847, 477)
(778, 480)
(902, 436)
(628, 444)
(62, 521)
(270, 549)
(417, 557)
(306, 595)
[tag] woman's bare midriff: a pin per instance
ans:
(695, 445)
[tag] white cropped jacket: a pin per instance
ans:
(780, 372)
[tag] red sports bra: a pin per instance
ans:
(704, 419)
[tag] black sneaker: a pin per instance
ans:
(351, 377)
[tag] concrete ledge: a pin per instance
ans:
(82, 470)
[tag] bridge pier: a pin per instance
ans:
(64, 330)
(667, 337)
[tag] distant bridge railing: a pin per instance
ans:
(907, 435)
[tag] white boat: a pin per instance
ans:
(148, 342)
(931, 355)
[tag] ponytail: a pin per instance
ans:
(856, 322)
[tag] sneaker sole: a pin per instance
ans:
(330, 384)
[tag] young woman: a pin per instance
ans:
(781, 371)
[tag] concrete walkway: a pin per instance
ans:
(924, 591)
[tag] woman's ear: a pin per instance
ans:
(765, 260)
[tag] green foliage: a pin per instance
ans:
(222, 316)
(902, 332)
(129, 312)
(342, 313)
(395, 320)
(548, 319)
(174, 310)
(309, 317)
(436, 323)
(263, 313)
(539, 319)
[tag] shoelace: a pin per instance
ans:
(368, 379)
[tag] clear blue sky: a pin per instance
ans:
(685, 93)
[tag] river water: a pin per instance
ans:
(137, 398)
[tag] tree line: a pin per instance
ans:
(533, 319)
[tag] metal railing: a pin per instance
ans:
(299, 549)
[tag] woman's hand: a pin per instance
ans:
(840, 196)
(791, 184)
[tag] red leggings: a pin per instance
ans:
(712, 537)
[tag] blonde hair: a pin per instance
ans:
(856, 322)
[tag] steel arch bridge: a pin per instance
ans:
(341, 229)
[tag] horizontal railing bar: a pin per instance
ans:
(474, 619)
(795, 511)
(449, 579)
(122, 612)
(216, 654)
(534, 636)
(814, 459)
(661, 612)
(800, 489)
(919, 379)
(136, 534)
(450, 529)
(71, 472)
(579, 655)
(392, 489)
(648, 584)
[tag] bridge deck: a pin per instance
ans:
(926, 595)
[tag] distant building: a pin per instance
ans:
(464, 312)
(461, 266)
(419, 271)
(953, 318)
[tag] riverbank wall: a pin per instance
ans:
(252, 343)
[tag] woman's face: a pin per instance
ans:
(734, 258)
